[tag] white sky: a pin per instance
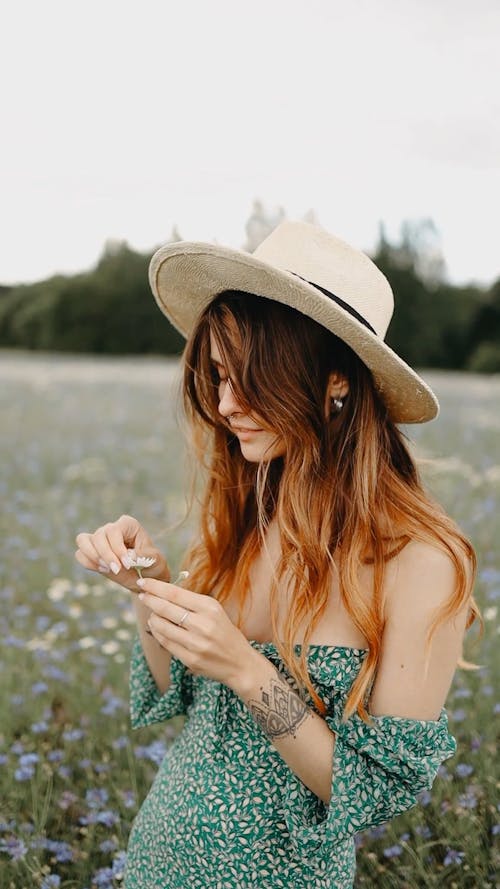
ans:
(119, 119)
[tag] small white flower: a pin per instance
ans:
(109, 623)
(110, 647)
(58, 588)
(139, 562)
(123, 634)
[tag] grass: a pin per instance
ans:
(86, 439)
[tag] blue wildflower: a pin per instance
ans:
(453, 857)
(51, 882)
(118, 866)
(62, 851)
(27, 759)
(52, 672)
(103, 878)
(24, 773)
(96, 797)
(13, 642)
(154, 751)
(42, 622)
(14, 847)
(423, 831)
(393, 851)
(128, 797)
(38, 687)
(85, 763)
(75, 734)
(108, 818)
(66, 799)
(55, 755)
(467, 800)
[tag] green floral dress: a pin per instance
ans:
(226, 812)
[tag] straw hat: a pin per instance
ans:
(305, 267)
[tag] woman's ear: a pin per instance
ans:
(338, 386)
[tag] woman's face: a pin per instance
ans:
(259, 443)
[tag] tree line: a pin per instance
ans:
(110, 308)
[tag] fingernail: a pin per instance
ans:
(140, 581)
(141, 595)
(115, 568)
(126, 562)
(104, 569)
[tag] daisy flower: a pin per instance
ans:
(139, 562)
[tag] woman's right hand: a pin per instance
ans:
(107, 548)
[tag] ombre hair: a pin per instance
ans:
(346, 485)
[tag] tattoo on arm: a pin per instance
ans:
(279, 711)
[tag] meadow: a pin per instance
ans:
(85, 439)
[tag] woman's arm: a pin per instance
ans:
(424, 579)
(158, 658)
(299, 734)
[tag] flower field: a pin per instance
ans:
(85, 439)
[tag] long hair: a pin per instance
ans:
(346, 485)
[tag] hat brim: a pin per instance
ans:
(186, 276)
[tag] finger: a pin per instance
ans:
(178, 595)
(167, 634)
(105, 550)
(130, 528)
(85, 561)
(163, 608)
(116, 540)
(154, 629)
(87, 548)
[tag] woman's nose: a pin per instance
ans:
(228, 403)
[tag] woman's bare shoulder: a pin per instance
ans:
(421, 577)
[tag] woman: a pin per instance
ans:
(328, 594)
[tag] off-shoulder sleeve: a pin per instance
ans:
(147, 705)
(378, 772)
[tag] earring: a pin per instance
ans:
(338, 404)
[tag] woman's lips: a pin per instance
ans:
(243, 431)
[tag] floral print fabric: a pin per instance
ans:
(226, 811)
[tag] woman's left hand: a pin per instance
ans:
(207, 642)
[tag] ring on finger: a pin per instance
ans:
(183, 618)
